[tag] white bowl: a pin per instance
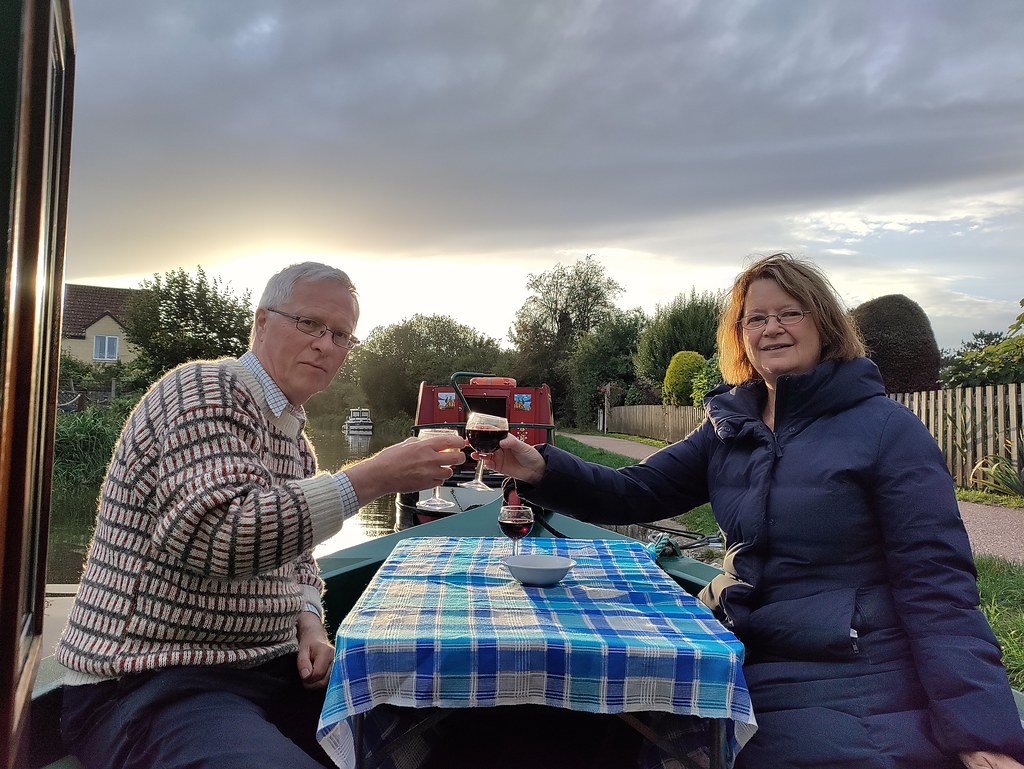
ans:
(538, 570)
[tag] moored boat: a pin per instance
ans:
(347, 572)
(529, 414)
(358, 422)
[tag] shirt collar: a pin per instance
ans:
(277, 401)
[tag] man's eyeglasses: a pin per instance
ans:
(786, 318)
(312, 327)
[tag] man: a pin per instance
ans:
(196, 638)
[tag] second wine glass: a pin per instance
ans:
(484, 432)
(515, 522)
(435, 501)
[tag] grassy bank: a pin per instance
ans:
(699, 519)
(1000, 582)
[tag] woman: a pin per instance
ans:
(848, 573)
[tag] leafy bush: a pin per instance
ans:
(1000, 474)
(127, 377)
(639, 394)
(705, 380)
(1001, 362)
(83, 444)
(74, 371)
(678, 385)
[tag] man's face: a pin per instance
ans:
(304, 365)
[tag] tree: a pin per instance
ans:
(900, 340)
(604, 356)
(331, 406)
(687, 323)
(979, 341)
(677, 388)
(393, 360)
(178, 318)
(566, 303)
(1001, 362)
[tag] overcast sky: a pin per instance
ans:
(440, 150)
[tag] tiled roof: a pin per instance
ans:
(84, 305)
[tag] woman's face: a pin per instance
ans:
(774, 349)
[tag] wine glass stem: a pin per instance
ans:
(480, 470)
(437, 492)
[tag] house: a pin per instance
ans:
(93, 327)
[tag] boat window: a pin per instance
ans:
(496, 407)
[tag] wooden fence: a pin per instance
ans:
(969, 424)
(663, 423)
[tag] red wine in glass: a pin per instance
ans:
(516, 528)
(485, 439)
(484, 432)
(515, 522)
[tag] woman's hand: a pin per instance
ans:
(983, 759)
(316, 655)
(520, 460)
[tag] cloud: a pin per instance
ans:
(955, 213)
(674, 137)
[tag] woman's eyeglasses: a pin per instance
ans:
(786, 318)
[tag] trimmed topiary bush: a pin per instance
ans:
(678, 385)
(901, 342)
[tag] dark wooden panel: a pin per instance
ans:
(37, 66)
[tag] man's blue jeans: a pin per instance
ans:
(215, 717)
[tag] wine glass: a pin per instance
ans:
(515, 522)
(435, 501)
(484, 432)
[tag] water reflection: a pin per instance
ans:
(73, 511)
(335, 449)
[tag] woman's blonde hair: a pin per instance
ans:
(807, 284)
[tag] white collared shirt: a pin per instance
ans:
(277, 402)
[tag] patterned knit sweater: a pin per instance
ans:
(207, 519)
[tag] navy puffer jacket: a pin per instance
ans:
(848, 573)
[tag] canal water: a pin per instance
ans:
(73, 512)
(335, 449)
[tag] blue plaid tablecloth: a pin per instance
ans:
(444, 625)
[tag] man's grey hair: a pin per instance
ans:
(279, 287)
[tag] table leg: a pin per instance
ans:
(717, 744)
(357, 739)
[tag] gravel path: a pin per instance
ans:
(992, 530)
(995, 530)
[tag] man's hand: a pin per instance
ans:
(983, 759)
(412, 465)
(520, 460)
(316, 655)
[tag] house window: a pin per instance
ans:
(105, 347)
